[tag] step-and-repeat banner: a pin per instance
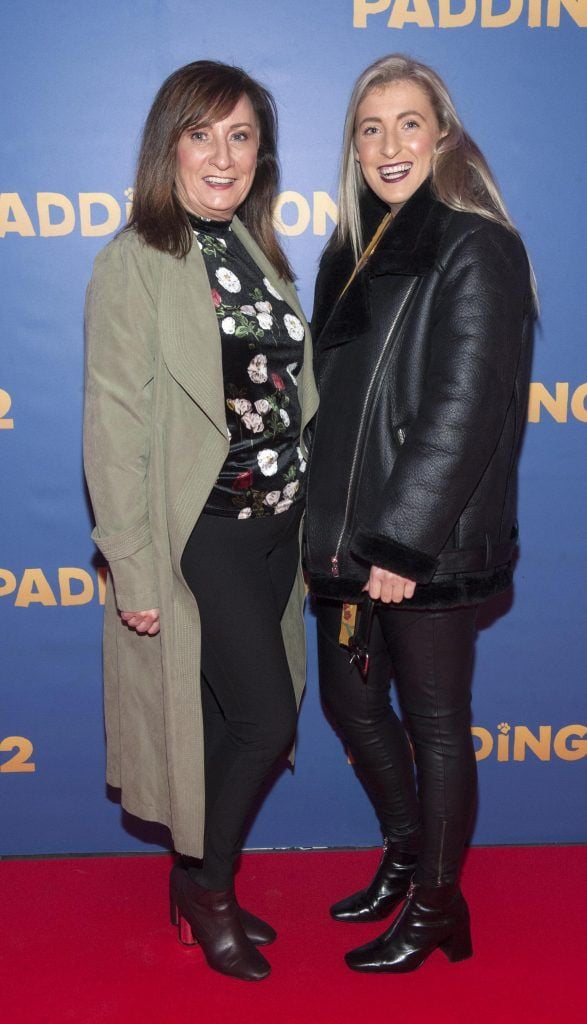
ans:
(77, 81)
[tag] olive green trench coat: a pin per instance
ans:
(155, 439)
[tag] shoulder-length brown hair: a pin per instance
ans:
(200, 92)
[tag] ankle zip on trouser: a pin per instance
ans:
(441, 854)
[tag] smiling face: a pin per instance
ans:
(216, 163)
(395, 136)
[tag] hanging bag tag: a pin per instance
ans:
(359, 641)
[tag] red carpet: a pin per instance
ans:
(87, 940)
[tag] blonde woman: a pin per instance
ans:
(422, 326)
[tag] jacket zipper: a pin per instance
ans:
(334, 564)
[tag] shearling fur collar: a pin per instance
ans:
(409, 248)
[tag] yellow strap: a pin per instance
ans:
(367, 251)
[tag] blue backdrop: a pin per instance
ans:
(81, 77)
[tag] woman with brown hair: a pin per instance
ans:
(199, 386)
(422, 325)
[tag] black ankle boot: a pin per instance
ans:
(214, 922)
(388, 888)
(258, 931)
(434, 917)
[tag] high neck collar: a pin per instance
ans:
(209, 227)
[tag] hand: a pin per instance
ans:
(388, 586)
(143, 622)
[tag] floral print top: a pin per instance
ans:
(262, 354)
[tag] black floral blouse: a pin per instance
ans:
(262, 354)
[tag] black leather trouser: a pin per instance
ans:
(430, 654)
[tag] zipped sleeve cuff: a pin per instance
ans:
(375, 549)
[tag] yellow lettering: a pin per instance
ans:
(539, 745)
(48, 228)
(486, 740)
(324, 206)
(102, 575)
(447, 18)
(13, 216)
(19, 762)
(7, 582)
(87, 200)
(556, 405)
(491, 20)
(421, 14)
(6, 422)
(102, 580)
(503, 746)
(83, 596)
(363, 8)
(578, 408)
(577, 748)
(303, 213)
(534, 13)
(34, 589)
(576, 8)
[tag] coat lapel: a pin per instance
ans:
(409, 248)
(190, 336)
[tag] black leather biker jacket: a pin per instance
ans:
(423, 371)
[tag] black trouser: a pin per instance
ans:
(432, 657)
(241, 573)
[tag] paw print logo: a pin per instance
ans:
(130, 194)
(504, 728)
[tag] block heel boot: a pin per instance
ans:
(258, 931)
(211, 918)
(433, 917)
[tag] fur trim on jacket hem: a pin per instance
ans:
(442, 592)
(376, 549)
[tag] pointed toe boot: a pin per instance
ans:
(388, 888)
(433, 917)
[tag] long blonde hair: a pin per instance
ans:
(460, 176)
